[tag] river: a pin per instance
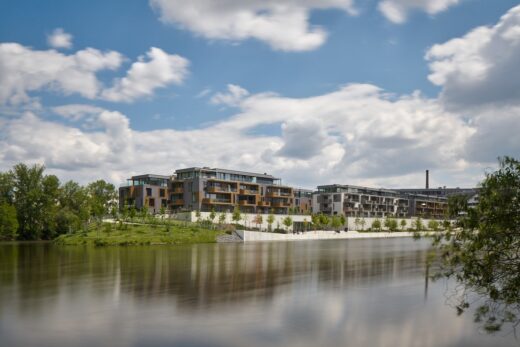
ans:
(368, 293)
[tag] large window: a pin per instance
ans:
(148, 191)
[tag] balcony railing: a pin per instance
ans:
(264, 203)
(178, 202)
(216, 189)
(246, 203)
(248, 192)
(216, 201)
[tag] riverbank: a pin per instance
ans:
(133, 234)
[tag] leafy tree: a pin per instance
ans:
(6, 187)
(162, 211)
(270, 221)
(212, 215)
(342, 219)
(357, 222)
(335, 223)
(237, 216)
(376, 224)
(102, 197)
(315, 219)
(403, 224)
(287, 221)
(305, 224)
(446, 225)
(487, 262)
(418, 225)
(363, 222)
(391, 224)
(222, 218)
(29, 201)
(433, 225)
(324, 220)
(258, 220)
(8, 222)
(457, 204)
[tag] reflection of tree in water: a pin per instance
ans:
(201, 276)
(484, 258)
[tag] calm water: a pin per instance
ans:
(331, 293)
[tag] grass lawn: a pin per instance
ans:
(129, 234)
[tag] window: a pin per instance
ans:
(162, 193)
(148, 191)
(151, 202)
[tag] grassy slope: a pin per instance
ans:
(109, 235)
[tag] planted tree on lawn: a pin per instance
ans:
(270, 221)
(287, 221)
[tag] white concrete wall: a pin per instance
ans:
(247, 219)
(409, 223)
(255, 236)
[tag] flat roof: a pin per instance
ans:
(245, 173)
(149, 176)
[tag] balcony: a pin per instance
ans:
(247, 192)
(216, 189)
(178, 202)
(177, 190)
(246, 203)
(281, 204)
(276, 194)
(216, 201)
(264, 203)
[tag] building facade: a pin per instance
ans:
(303, 200)
(355, 201)
(206, 189)
(145, 191)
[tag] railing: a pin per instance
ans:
(248, 192)
(245, 202)
(178, 202)
(264, 203)
(215, 189)
(215, 201)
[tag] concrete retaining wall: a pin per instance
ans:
(254, 236)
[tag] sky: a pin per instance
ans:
(364, 92)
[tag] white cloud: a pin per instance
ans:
(397, 11)
(144, 76)
(284, 25)
(357, 134)
(233, 97)
(76, 111)
(59, 39)
(481, 67)
(24, 70)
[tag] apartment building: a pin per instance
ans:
(303, 200)
(145, 191)
(356, 201)
(206, 189)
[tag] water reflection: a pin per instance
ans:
(330, 293)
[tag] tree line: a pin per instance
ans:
(37, 206)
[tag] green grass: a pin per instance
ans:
(128, 234)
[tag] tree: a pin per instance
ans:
(403, 224)
(102, 197)
(315, 219)
(324, 220)
(6, 187)
(433, 225)
(391, 224)
(335, 223)
(270, 221)
(363, 222)
(222, 218)
(446, 225)
(212, 215)
(8, 222)
(30, 201)
(376, 224)
(287, 221)
(258, 220)
(486, 262)
(457, 204)
(237, 216)
(162, 211)
(357, 222)
(417, 224)
(305, 224)
(342, 219)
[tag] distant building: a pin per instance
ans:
(207, 189)
(145, 191)
(356, 201)
(303, 200)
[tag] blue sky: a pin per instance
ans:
(363, 45)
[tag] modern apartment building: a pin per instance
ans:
(355, 201)
(206, 189)
(303, 200)
(145, 191)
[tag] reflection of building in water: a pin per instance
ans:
(206, 275)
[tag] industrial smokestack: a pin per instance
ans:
(427, 179)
